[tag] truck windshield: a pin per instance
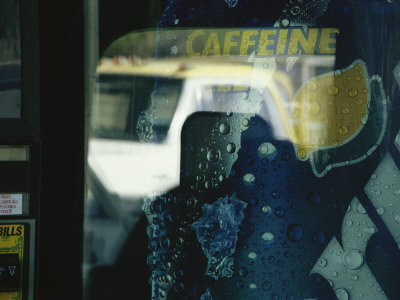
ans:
(135, 108)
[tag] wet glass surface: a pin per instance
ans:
(252, 157)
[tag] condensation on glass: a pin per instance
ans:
(260, 162)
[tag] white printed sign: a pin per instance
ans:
(10, 204)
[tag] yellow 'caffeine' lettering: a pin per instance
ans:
(246, 42)
(212, 45)
(282, 40)
(327, 40)
(228, 43)
(297, 37)
(189, 43)
(264, 42)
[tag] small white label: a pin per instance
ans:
(10, 204)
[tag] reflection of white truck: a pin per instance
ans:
(123, 168)
(131, 168)
(131, 103)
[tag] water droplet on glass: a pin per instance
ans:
(245, 95)
(246, 122)
(230, 148)
(162, 293)
(314, 108)
(380, 210)
(294, 233)
(285, 23)
(280, 212)
(322, 262)
(215, 130)
(276, 194)
(252, 255)
(224, 128)
(174, 50)
(267, 210)
(268, 237)
(295, 10)
(352, 259)
(207, 185)
(360, 209)
(342, 294)
(349, 223)
(397, 219)
(239, 284)
(249, 179)
(364, 119)
(311, 85)
(200, 178)
(369, 230)
(213, 155)
(203, 166)
(243, 271)
(267, 150)
(252, 286)
(343, 130)
(353, 92)
(275, 297)
(266, 285)
(165, 243)
(302, 153)
(333, 90)
(321, 142)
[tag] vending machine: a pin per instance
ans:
(19, 149)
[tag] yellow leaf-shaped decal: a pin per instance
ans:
(331, 109)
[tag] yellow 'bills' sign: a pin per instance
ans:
(12, 242)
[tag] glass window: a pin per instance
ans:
(124, 100)
(10, 60)
(239, 151)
